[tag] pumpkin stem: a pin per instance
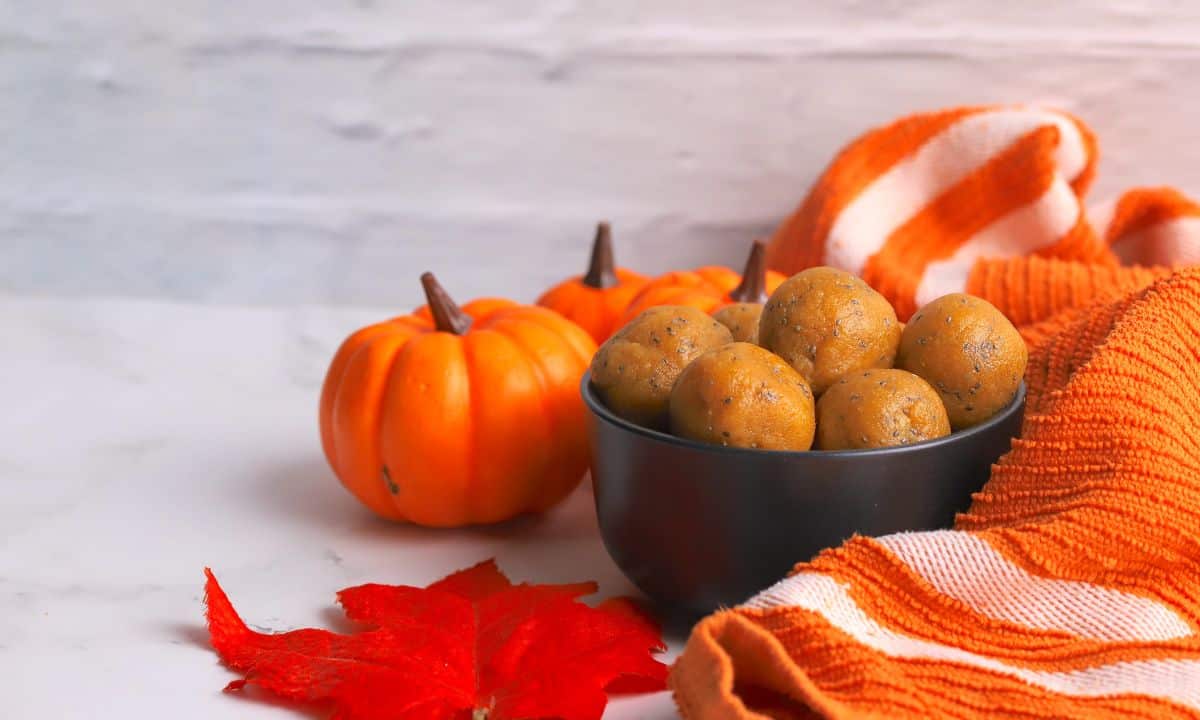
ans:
(447, 315)
(753, 288)
(601, 272)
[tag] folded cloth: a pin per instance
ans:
(1071, 588)
(914, 206)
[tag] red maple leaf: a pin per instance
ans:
(470, 647)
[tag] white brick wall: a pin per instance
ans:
(322, 151)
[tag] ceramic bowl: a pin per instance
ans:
(698, 526)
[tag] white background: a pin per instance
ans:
(282, 151)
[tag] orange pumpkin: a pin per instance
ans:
(709, 288)
(596, 300)
(452, 416)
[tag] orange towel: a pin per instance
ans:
(1071, 588)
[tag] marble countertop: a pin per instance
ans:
(141, 442)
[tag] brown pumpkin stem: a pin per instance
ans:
(601, 268)
(447, 315)
(753, 287)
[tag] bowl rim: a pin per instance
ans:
(598, 408)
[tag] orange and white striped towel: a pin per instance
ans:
(1071, 588)
(914, 205)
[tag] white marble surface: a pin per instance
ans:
(141, 441)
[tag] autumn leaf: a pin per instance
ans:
(472, 646)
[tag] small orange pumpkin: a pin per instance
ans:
(452, 416)
(709, 288)
(596, 300)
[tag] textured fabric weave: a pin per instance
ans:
(1071, 588)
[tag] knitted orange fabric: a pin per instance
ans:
(915, 205)
(1071, 589)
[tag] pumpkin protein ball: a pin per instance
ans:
(969, 352)
(741, 319)
(743, 396)
(827, 323)
(879, 408)
(635, 368)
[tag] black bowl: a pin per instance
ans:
(698, 526)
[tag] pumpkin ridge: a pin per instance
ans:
(348, 479)
(549, 408)
(552, 321)
(589, 315)
(674, 278)
(683, 287)
(471, 446)
(701, 298)
(409, 322)
(482, 310)
(487, 320)
(575, 337)
(332, 384)
(719, 278)
(409, 346)
(585, 349)
(413, 499)
(476, 360)
(470, 433)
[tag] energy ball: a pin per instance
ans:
(827, 323)
(741, 319)
(879, 408)
(969, 352)
(633, 371)
(741, 395)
